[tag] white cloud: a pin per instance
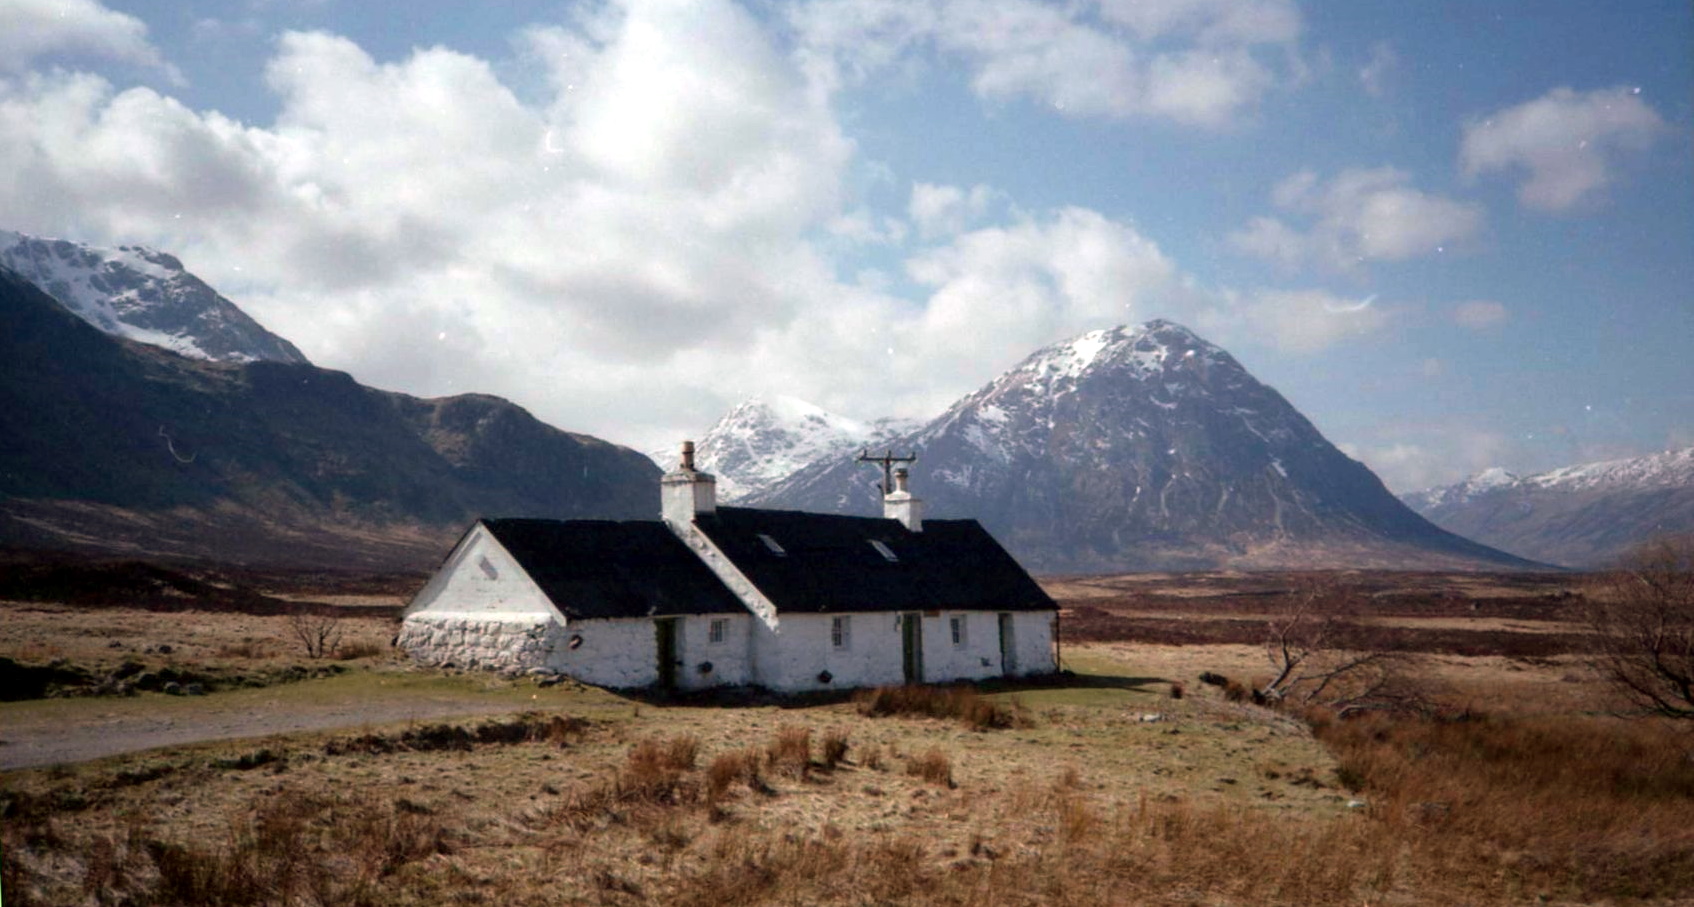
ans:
(1479, 314)
(1428, 456)
(1356, 217)
(653, 237)
(33, 28)
(1191, 61)
(1209, 21)
(1567, 141)
(947, 210)
(1376, 73)
(1301, 322)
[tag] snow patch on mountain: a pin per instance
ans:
(1669, 469)
(763, 440)
(144, 295)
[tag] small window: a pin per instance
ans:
(884, 551)
(841, 632)
(772, 545)
(718, 630)
(488, 569)
(958, 626)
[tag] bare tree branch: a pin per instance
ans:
(1641, 617)
(1323, 655)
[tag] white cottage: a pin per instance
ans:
(729, 596)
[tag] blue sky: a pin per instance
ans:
(1456, 235)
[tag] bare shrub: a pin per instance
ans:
(791, 752)
(1322, 657)
(1641, 617)
(956, 702)
(1177, 690)
(653, 770)
(723, 771)
(933, 766)
(351, 651)
(834, 748)
(319, 632)
(871, 757)
(248, 648)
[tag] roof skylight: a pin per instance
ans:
(884, 550)
(772, 545)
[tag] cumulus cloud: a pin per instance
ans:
(1566, 143)
(947, 210)
(34, 28)
(649, 235)
(1196, 62)
(1479, 314)
(1416, 457)
(1376, 73)
(1293, 321)
(1357, 216)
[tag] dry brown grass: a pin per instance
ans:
(959, 702)
(933, 766)
(1580, 806)
(1213, 802)
(835, 744)
(790, 753)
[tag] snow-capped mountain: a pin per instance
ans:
(1480, 484)
(1582, 516)
(763, 441)
(1144, 447)
(145, 295)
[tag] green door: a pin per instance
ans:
(911, 646)
(665, 628)
(1008, 648)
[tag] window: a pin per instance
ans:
(772, 545)
(487, 567)
(884, 551)
(958, 626)
(840, 632)
(718, 630)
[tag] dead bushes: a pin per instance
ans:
(294, 847)
(1587, 808)
(961, 703)
(933, 766)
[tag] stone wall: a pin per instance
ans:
(516, 642)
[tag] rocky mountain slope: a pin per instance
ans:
(1579, 516)
(143, 295)
(1145, 448)
(762, 441)
(119, 446)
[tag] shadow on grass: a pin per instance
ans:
(752, 697)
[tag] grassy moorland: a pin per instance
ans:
(1514, 786)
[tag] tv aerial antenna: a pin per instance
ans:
(888, 459)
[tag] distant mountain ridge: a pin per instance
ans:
(122, 447)
(1145, 447)
(143, 295)
(762, 441)
(1587, 515)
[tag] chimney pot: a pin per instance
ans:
(688, 456)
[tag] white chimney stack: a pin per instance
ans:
(900, 505)
(687, 493)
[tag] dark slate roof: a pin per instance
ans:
(829, 564)
(598, 568)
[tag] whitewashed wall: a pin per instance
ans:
(1032, 637)
(481, 611)
(731, 660)
(802, 647)
(976, 658)
(616, 653)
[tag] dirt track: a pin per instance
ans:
(91, 729)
